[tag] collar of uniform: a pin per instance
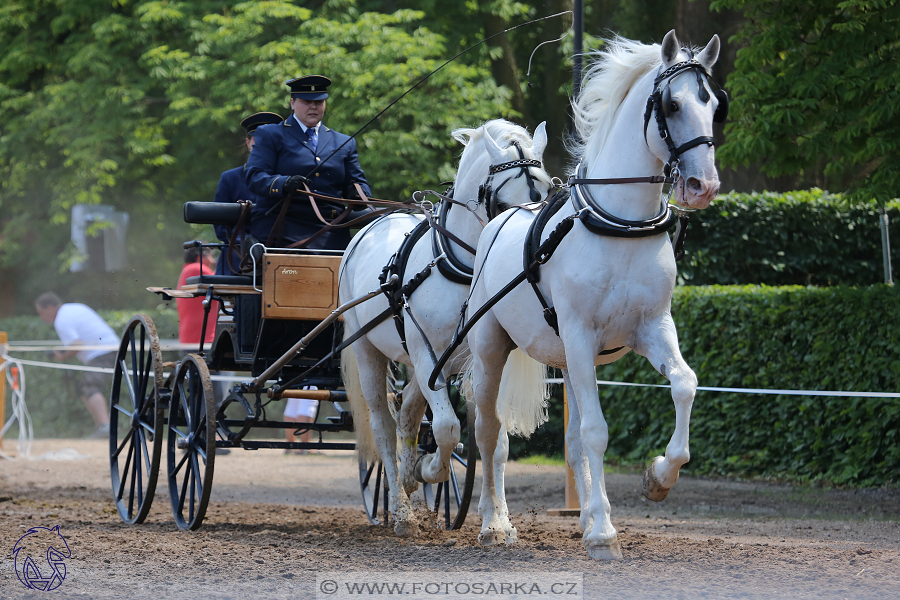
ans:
(304, 127)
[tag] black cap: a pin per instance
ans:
(309, 87)
(261, 118)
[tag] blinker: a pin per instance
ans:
(722, 109)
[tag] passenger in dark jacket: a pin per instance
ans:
(233, 187)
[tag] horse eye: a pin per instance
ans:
(673, 108)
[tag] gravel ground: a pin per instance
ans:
(276, 521)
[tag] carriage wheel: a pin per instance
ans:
(135, 423)
(374, 485)
(191, 442)
(449, 500)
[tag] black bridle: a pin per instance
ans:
(489, 196)
(660, 102)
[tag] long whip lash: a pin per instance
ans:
(420, 82)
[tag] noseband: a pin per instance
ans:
(489, 196)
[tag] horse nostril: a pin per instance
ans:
(696, 186)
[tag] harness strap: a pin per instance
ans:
(544, 252)
(532, 242)
(396, 266)
(615, 180)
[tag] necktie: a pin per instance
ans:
(313, 138)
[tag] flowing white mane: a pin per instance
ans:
(612, 73)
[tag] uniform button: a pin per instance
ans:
(317, 158)
(317, 174)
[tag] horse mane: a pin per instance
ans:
(612, 73)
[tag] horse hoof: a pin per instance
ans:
(491, 538)
(512, 536)
(653, 488)
(611, 551)
(406, 529)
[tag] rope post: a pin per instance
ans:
(3, 341)
(573, 508)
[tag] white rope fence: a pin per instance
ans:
(753, 390)
(16, 383)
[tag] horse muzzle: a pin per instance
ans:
(695, 193)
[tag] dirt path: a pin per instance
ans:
(276, 520)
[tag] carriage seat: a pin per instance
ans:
(219, 280)
(212, 213)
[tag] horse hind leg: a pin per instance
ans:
(372, 367)
(489, 358)
(501, 456)
(665, 356)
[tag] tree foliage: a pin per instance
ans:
(137, 104)
(816, 91)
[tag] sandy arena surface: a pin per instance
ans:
(275, 521)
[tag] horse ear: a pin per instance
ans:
(710, 54)
(496, 152)
(670, 49)
(539, 141)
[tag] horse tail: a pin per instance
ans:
(365, 440)
(523, 395)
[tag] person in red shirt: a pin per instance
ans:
(190, 310)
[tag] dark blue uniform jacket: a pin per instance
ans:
(283, 150)
(233, 187)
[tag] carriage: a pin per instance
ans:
(280, 326)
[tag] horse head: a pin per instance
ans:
(685, 107)
(501, 167)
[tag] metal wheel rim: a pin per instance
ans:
(374, 487)
(139, 368)
(191, 418)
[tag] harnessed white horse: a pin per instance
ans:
(500, 162)
(610, 279)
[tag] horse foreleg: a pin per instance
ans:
(601, 539)
(409, 421)
(373, 368)
(575, 457)
(434, 468)
(663, 353)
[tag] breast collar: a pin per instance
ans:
(599, 221)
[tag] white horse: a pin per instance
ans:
(611, 292)
(499, 167)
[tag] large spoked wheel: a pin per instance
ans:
(449, 500)
(374, 485)
(191, 442)
(135, 424)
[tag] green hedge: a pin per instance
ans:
(798, 238)
(776, 338)
(51, 395)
